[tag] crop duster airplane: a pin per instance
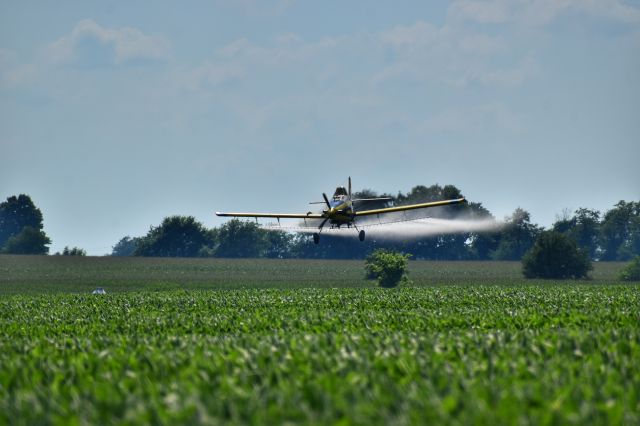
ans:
(340, 211)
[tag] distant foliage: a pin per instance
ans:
(28, 241)
(584, 227)
(517, 236)
(177, 236)
(556, 255)
(238, 238)
(75, 251)
(17, 214)
(631, 272)
(388, 267)
(126, 246)
(614, 235)
(620, 232)
(278, 244)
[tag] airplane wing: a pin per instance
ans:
(275, 215)
(411, 207)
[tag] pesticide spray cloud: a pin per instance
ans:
(405, 230)
(428, 227)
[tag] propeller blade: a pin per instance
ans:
(326, 200)
(323, 222)
(349, 187)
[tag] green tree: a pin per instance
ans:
(556, 255)
(372, 204)
(444, 246)
(587, 230)
(237, 238)
(584, 227)
(28, 241)
(631, 272)
(620, 232)
(424, 194)
(177, 236)
(126, 246)
(278, 244)
(17, 213)
(75, 251)
(517, 236)
(388, 267)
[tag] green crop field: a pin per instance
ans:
(270, 342)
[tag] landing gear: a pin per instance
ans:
(361, 235)
(316, 238)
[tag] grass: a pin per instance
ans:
(468, 343)
(38, 274)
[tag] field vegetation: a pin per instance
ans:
(246, 341)
(37, 274)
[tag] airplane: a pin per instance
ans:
(341, 211)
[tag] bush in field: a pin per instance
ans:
(74, 251)
(28, 241)
(631, 272)
(555, 255)
(387, 266)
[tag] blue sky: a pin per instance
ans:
(117, 114)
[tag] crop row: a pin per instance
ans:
(527, 354)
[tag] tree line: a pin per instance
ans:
(612, 235)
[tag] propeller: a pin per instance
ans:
(353, 206)
(326, 200)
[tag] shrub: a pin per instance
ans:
(28, 241)
(555, 255)
(631, 272)
(387, 266)
(126, 246)
(75, 251)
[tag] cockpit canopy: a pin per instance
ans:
(340, 191)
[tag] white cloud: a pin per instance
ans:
(539, 12)
(12, 72)
(259, 8)
(485, 12)
(211, 74)
(6, 57)
(448, 54)
(126, 43)
(511, 77)
(472, 120)
(419, 34)
(481, 44)
(420, 51)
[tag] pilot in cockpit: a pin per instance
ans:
(340, 194)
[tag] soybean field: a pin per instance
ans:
(202, 341)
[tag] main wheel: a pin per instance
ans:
(316, 238)
(361, 235)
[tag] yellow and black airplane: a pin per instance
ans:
(340, 211)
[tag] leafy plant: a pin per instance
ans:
(490, 354)
(387, 266)
(555, 255)
(631, 271)
(28, 241)
(74, 251)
